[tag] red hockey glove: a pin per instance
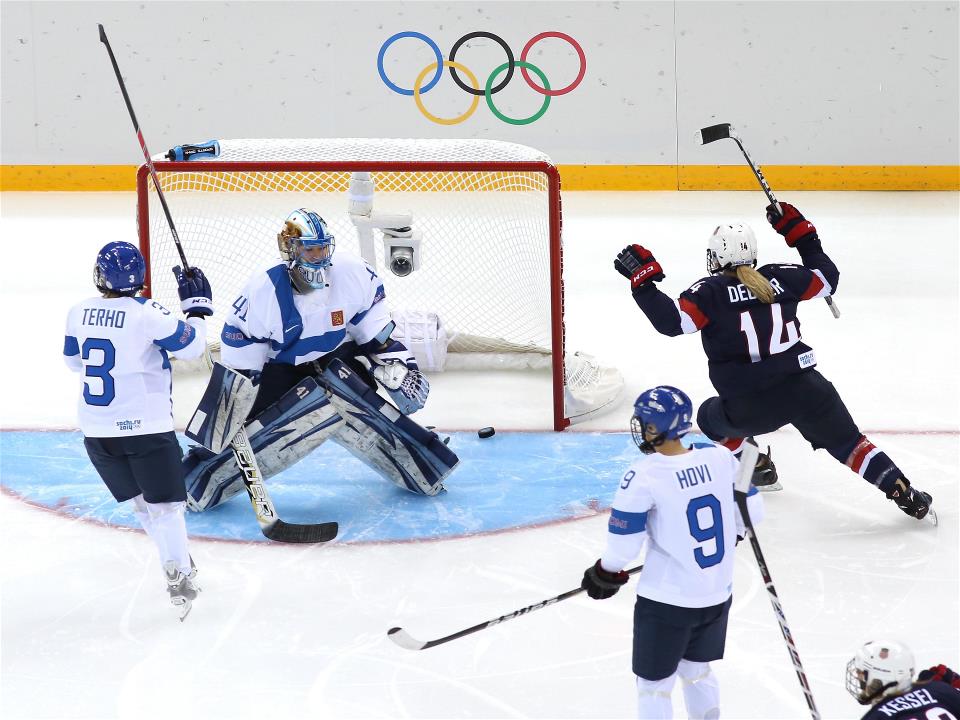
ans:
(601, 584)
(791, 223)
(638, 264)
(941, 673)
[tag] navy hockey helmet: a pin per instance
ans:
(664, 412)
(120, 269)
(307, 245)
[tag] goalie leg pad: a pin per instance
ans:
(280, 436)
(393, 445)
(223, 409)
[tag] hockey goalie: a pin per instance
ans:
(303, 351)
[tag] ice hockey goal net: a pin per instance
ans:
(488, 213)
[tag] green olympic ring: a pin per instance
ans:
(517, 121)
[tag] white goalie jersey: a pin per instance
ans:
(271, 322)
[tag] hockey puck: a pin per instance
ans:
(486, 432)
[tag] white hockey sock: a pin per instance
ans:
(141, 510)
(653, 698)
(170, 532)
(701, 691)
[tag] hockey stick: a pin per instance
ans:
(748, 459)
(402, 638)
(723, 130)
(146, 153)
(272, 526)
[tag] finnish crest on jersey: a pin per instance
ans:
(336, 318)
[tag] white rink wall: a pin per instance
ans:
(836, 83)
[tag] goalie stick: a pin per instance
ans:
(724, 130)
(272, 526)
(748, 459)
(402, 638)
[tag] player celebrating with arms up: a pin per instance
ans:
(680, 496)
(120, 343)
(303, 330)
(764, 373)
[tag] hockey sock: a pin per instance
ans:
(653, 698)
(869, 462)
(171, 529)
(701, 691)
(141, 510)
(734, 445)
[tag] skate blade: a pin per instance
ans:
(931, 517)
(182, 607)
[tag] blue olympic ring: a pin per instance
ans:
(420, 36)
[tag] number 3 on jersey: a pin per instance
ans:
(712, 531)
(101, 371)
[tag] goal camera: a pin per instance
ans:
(401, 250)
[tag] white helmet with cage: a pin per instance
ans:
(731, 245)
(880, 668)
(306, 244)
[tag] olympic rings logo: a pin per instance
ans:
(474, 89)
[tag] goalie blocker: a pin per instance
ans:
(341, 407)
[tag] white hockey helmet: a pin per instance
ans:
(731, 245)
(306, 244)
(880, 668)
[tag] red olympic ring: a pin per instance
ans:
(576, 46)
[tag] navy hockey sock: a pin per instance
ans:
(870, 463)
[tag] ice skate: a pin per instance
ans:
(765, 477)
(182, 588)
(913, 502)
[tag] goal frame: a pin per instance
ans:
(554, 223)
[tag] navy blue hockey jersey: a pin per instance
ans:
(931, 701)
(750, 345)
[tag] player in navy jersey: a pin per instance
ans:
(678, 499)
(881, 675)
(120, 342)
(763, 372)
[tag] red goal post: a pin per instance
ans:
(488, 212)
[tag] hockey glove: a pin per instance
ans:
(601, 584)
(196, 297)
(791, 224)
(406, 386)
(941, 673)
(638, 264)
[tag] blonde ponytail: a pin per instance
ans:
(756, 283)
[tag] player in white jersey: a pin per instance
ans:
(289, 324)
(678, 500)
(120, 342)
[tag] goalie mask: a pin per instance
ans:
(306, 244)
(880, 668)
(120, 269)
(665, 412)
(730, 246)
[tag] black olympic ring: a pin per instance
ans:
(490, 36)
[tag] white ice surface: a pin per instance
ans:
(284, 631)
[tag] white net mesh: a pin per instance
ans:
(486, 236)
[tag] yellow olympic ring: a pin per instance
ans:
(439, 120)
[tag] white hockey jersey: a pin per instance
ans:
(272, 322)
(121, 345)
(683, 506)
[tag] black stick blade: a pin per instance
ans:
(103, 34)
(280, 531)
(714, 133)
